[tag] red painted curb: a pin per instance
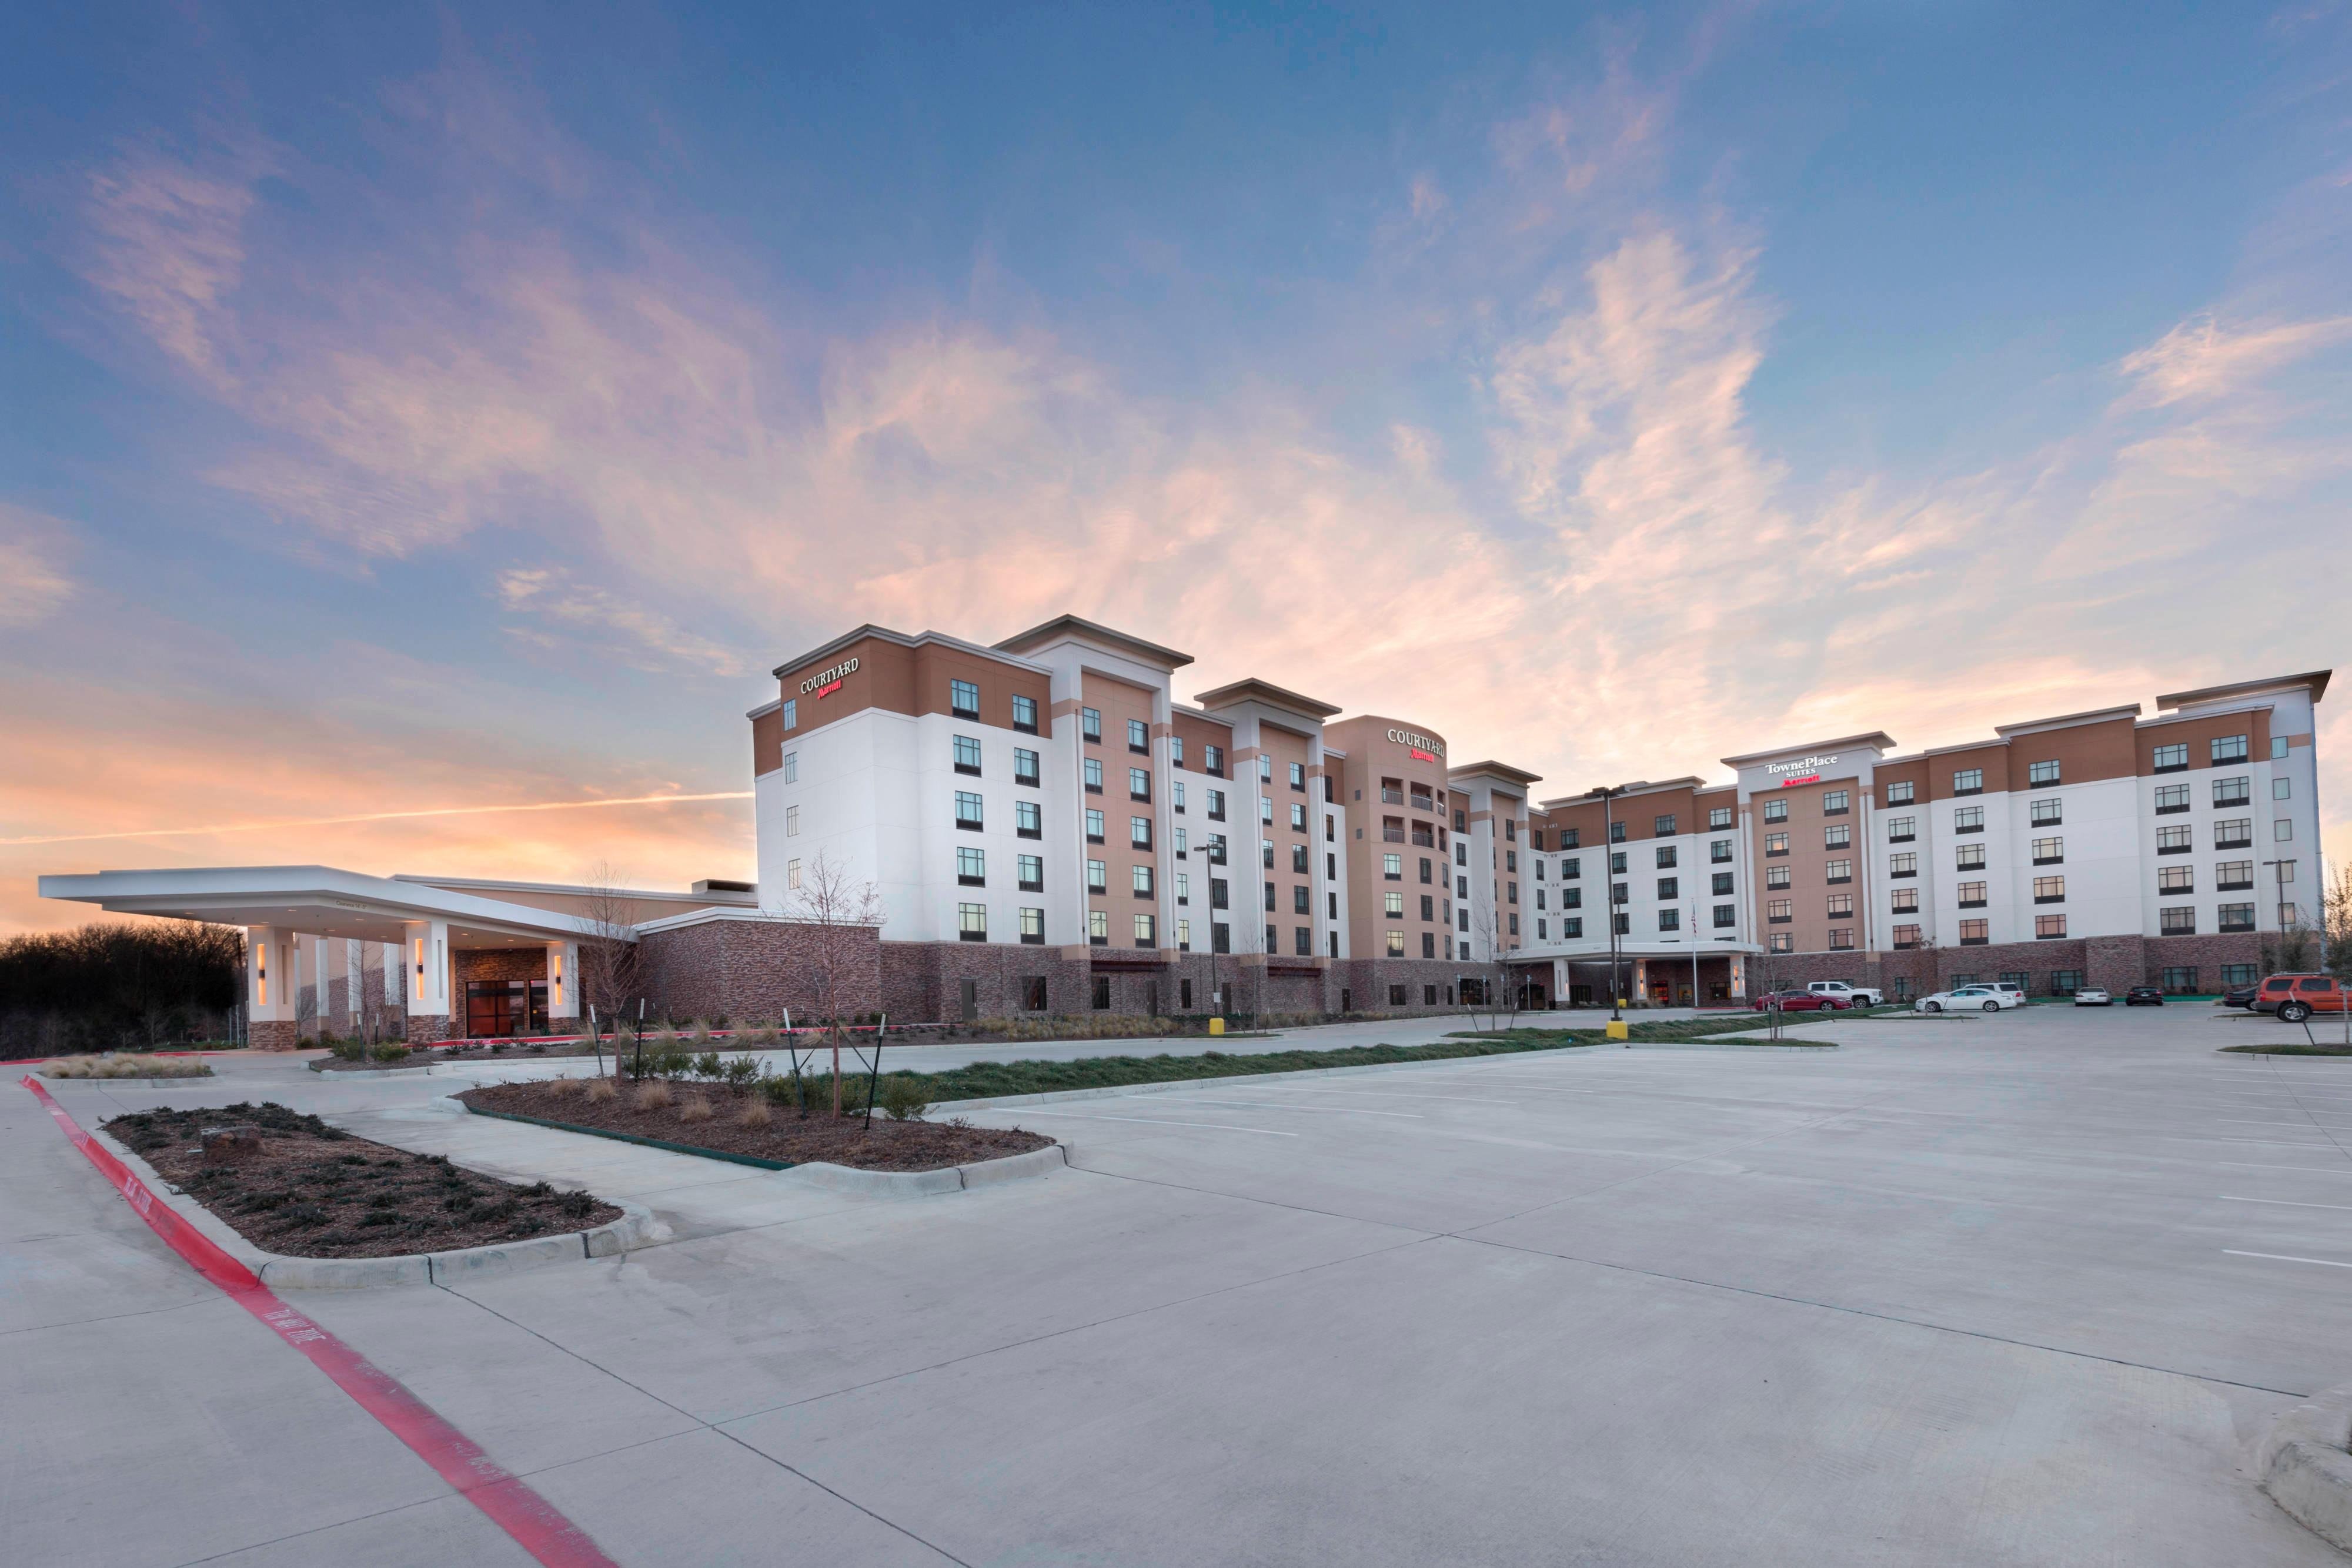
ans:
(534, 1524)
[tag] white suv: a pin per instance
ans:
(1851, 995)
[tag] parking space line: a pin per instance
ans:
(2308, 1170)
(2283, 1202)
(1155, 1120)
(2286, 1258)
(1335, 1110)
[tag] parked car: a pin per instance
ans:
(2009, 987)
(1799, 1002)
(2295, 998)
(2092, 997)
(2238, 997)
(1972, 998)
(1852, 996)
(2143, 996)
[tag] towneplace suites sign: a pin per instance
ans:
(1424, 749)
(825, 683)
(1804, 770)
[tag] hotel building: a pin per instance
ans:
(1043, 825)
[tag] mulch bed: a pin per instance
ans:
(789, 1136)
(316, 1191)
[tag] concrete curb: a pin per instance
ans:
(1171, 1085)
(2304, 1464)
(925, 1184)
(635, 1228)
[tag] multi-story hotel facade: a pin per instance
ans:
(1043, 825)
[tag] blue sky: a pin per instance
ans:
(440, 408)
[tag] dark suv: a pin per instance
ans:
(2143, 996)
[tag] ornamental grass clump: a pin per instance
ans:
(602, 1090)
(564, 1086)
(698, 1108)
(655, 1095)
(114, 1064)
(755, 1112)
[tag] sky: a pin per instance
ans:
(421, 430)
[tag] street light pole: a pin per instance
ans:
(1609, 898)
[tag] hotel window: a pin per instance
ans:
(1139, 784)
(1298, 779)
(2230, 876)
(2171, 759)
(1028, 820)
(2049, 890)
(1841, 904)
(1666, 857)
(1217, 893)
(1617, 863)
(1265, 769)
(1212, 760)
(1624, 923)
(1837, 836)
(2282, 830)
(1904, 900)
(1974, 933)
(1572, 930)
(1834, 802)
(967, 755)
(1776, 876)
(2285, 869)
(1968, 857)
(1906, 936)
(792, 767)
(1138, 736)
(792, 714)
(1670, 919)
(1392, 868)
(971, 921)
(2065, 982)
(792, 821)
(1968, 782)
(2048, 926)
(1464, 916)
(2235, 917)
(2228, 749)
(1029, 870)
(1900, 793)
(1543, 931)
(1718, 817)
(1779, 911)
(1090, 723)
(1722, 885)
(2049, 851)
(2175, 842)
(792, 874)
(1841, 938)
(1266, 847)
(1719, 851)
(1298, 817)
(1511, 828)
(1092, 776)
(1781, 942)
(1024, 766)
(1179, 797)
(1669, 887)
(1515, 893)
(1838, 870)
(1510, 860)
(1033, 928)
(1141, 877)
(1616, 831)
(963, 699)
(2233, 833)
(1300, 903)
(1571, 898)
(2176, 879)
(1094, 825)
(1776, 810)
(1539, 901)
(1220, 936)
(2170, 798)
(1972, 894)
(2240, 974)
(2048, 813)
(972, 868)
(1968, 819)
(1776, 844)
(1536, 864)
(1725, 914)
(1183, 889)
(1663, 827)
(1025, 715)
(1392, 905)
(2282, 790)
(1905, 865)
(2178, 919)
(1617, 892)
(1901, 829)
(1184, 941)
(1571, 869)
(1176, 750)
(1147, 931)
(2041, 773)
(2236, 790)
(1097, 877)
(1396, 943)
(1216, 805)
(1298, 862)
(1515, 926)
(1569, 838)
(2180, 977)
(1098, 932)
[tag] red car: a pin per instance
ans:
(1799, 1002)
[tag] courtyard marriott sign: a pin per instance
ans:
(1804, 770)
(825, 683)
(1424, 749)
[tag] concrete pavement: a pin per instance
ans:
(2015, 1290)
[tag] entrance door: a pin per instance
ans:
(970, 997)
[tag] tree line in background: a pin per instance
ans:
(111, 986)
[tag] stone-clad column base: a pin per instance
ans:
(427, 1028)
(272, 1034)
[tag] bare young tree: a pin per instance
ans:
(838, 913)
(1497, 994)
(608, 966)
(2336, 921)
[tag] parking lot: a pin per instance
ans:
(2016, 1289)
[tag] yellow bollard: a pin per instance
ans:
(1216, 1026)
(1616, 1030)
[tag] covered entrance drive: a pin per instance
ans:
(1658, 975)
(499, 1009)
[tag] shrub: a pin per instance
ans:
(599, 1089)
(653, 1095)
(755, 1112)
(697, 1108)
(740, 1070)
(903, 1097)
(708, 1065)
(390, 1052)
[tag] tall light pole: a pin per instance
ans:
(1609, 898)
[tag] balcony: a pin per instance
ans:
(1424, 804)
(1391, 835)
(1391, 797)
(1422, 837)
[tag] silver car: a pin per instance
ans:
(2094, 998)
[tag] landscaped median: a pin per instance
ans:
(305, 1205)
